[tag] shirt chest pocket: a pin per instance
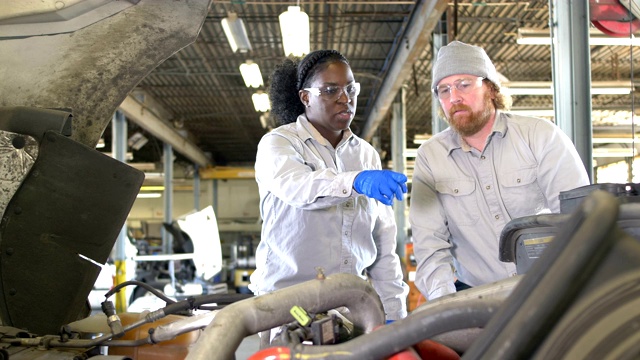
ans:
(520, 192)
(459, 200)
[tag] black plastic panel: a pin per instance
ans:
(74, 202)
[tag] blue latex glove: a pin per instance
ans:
(381, 185)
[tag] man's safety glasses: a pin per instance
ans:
(335, 92)
(464, 86)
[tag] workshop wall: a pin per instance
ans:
(232, 200)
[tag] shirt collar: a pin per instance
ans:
(307, 131)
(453, 140)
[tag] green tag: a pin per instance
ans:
(300, 315)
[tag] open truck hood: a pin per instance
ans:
(65, 68)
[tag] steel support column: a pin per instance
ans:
(196, 188)
(440, 39)
(571, 69)
(167, 238)
(398, 156)
(119, 150)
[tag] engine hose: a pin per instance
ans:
(401, 334)
(251, 316)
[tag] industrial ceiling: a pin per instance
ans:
(199, 93)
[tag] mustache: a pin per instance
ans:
(459, 107)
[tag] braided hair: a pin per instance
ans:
(293, 75)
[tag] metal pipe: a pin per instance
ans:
(171, 330)
(395, 337)
(247, 317)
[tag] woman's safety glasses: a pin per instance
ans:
(335, 92)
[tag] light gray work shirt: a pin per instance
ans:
(312, 217)
(462, 198)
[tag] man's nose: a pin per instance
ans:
(455, 95)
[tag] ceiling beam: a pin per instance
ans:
(161, 129)
(416, 38)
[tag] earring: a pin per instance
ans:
(307, 105)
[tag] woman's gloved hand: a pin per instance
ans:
(381, 185)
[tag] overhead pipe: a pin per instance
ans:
(416, 37)
(241, 319)
(139, 114)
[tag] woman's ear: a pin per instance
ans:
(304, 97)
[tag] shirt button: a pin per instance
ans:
(344, 191)
(497, 217)
(346, 262)
(518, 181)
(455, 191)
(488, 187)
(482, 157)
(346, 233)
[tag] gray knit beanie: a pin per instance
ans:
(460, 58)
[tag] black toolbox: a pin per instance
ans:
(571, 199)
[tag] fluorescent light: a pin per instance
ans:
(421, 138)
(294, 25)
(611, 91)
(597, 152)
(614, 152)
(251, 74)
(151, 187)
(542, 37)
(149, 195)
(236, 33)
(615, 140)
(528, 90)
(534, 112)
(545, 87)
(410, 152)
(261, 101)
(264, 121)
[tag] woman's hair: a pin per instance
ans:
(293, 75)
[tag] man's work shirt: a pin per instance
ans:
(312, 217)
(462, 198)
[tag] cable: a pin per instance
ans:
(146, 286)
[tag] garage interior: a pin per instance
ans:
(157, 85)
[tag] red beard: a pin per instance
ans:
(472, 122)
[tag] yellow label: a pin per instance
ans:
(300, 315)
(536, 241)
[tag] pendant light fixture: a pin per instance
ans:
(261, 101)
(236, 33)
(251, 74)
(294, 25)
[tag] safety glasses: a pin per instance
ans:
(465, 86)
(335, 92)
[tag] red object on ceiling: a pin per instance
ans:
(613, 18)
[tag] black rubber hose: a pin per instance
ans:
(146, 286)
(553, 282)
